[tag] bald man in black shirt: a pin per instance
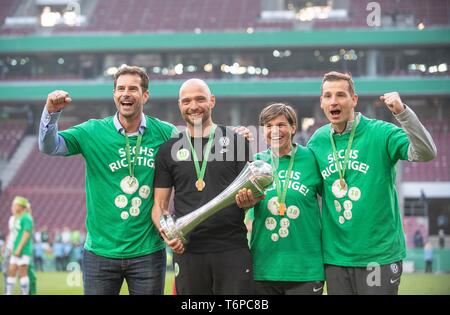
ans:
(199, 164)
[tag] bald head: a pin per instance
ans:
(194, 84)
(196, 102)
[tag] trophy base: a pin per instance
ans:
(168, 224)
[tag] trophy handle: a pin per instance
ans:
(167, 222)
(260, 190)
(256, 176)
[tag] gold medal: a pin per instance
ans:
(342, 184)
(282, 208)
(200, 184)
(337, 189)
(272, 205)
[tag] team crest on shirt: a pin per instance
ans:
(224, 142)
(182, 154)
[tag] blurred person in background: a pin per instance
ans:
(441, 238)
(428, 257)
(8, 246)
(31, 269)
(22, 249)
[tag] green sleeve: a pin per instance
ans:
(249, 215)
(74, 137)
(397, 144)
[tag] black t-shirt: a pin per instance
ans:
(224, 230)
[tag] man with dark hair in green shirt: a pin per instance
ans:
(121, 243)
(363, 239)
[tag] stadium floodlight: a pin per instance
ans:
(442, 67)
(208, 67)
(49, 18)
(70, 18)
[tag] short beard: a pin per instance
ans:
(197, 122)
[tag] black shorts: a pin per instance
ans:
(221, 273)
(289, 287)
(373, 279)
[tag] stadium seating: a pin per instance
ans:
(11, 132)
(8, 8)
(431, 13)
(173, 15)
(438, 169)
(55, 187)
(230, 15)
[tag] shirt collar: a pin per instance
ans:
(349, 125)
(121, 129)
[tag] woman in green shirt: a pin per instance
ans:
(286, 236)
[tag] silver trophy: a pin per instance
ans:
(256, 176)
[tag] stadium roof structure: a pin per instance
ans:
(188, 41)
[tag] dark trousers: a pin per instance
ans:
(289, 288)
(370, 280)
(428, 266)
(105, 276)
(221, 273)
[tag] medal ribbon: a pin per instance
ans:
(201, 171)
(131, 165)
(347, 153)
(281, 192)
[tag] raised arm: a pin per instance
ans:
(49, 141)
(421, 147)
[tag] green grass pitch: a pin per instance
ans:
(63, 283)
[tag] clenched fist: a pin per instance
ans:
(57, 100)
(393, 102)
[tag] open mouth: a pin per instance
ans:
(335, 113)
(276, 140)
(126, 103)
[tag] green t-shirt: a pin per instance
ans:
(21, 224)
(118, 219)
(362, 223)
(288, 248)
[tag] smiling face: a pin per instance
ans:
(196, 103)
(129, 96)
(278, 134)
(338, 103)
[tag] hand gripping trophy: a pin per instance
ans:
(256, 176)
